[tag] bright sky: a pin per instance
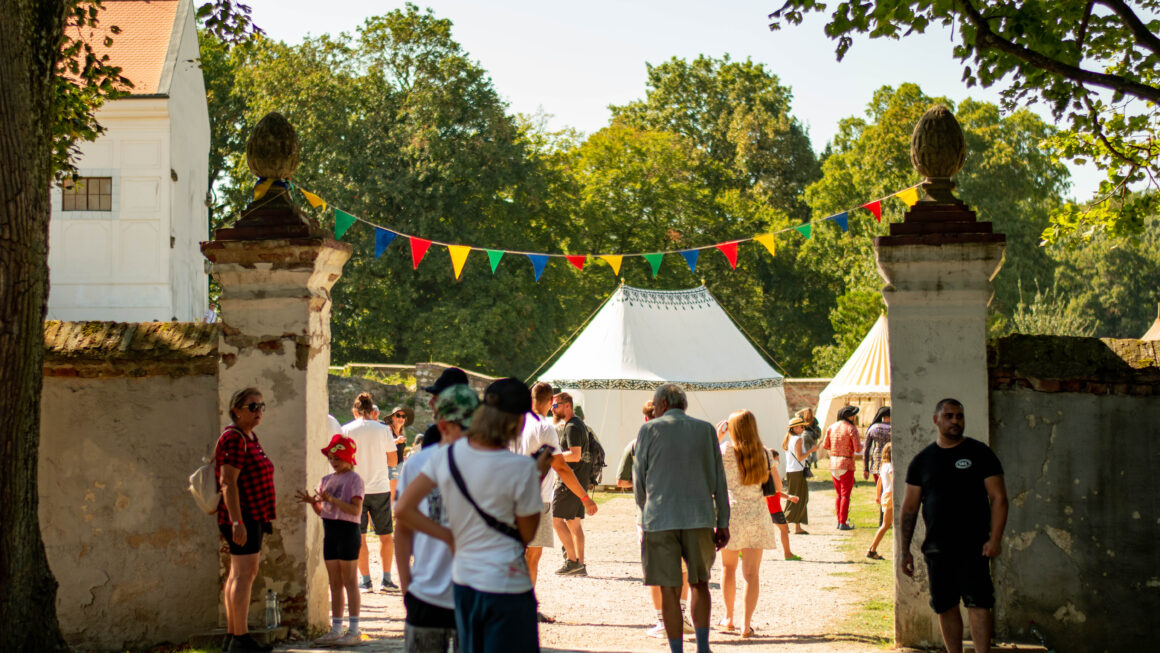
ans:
(572, 60)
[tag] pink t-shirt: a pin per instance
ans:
(345, 487)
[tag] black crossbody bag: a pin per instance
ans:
(505, 528)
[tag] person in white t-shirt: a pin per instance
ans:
(376, 448)
(495, 607)
(535, 434)
(426, 584)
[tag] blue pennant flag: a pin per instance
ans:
(691, 258)
(843, 220)
(539, 262)
(382, 239)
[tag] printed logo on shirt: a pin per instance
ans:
(963, 463)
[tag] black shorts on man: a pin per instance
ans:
(378, 508)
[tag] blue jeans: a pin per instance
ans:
(496, 623)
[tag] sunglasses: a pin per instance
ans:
(402, 415)
(256, 406)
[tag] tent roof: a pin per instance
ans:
(641, 338)
(868, 368)
(1154, 332)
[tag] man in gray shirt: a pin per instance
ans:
(679, 484)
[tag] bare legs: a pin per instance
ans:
(532, 554)
(571, 533)
(750, 568)
(951, 625)
(699, 606)
(386, 553)
(729, 585)
(343, 576)
(239, 583)
(784, 531)
(887, 522)
(364, 558)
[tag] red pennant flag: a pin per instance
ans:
(578, 261)
(418, 249)
(730, 252)
(875, 207)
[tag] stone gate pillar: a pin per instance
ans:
(276, 267)
(938, 265)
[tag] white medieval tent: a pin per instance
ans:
(642, 338)
(1154, 332)
(864, 380)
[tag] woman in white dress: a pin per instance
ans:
(747, 466)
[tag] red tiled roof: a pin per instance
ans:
(141, 47)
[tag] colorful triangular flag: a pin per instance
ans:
(804, 230)
(314, 200)
(539, 262)
(910, 196)
(654, 260)
(262, 187)
(691, 258)
(493, 257)
(730, 252)
(769, 242)
(577, 260)
(613, 262)
(418, 249)
(842, 220)
(458, 257)
(342, 222)
(875, 207)
(383, 238)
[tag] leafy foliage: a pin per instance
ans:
(1093, 63)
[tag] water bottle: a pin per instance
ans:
(271, 610)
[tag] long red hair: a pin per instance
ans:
(747, 447)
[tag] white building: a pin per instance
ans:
(123, 241)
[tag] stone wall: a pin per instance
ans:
(127, 412)
(1073, 421)
(803, 393)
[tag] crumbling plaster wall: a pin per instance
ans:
(136, 560)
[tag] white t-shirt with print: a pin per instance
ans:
(431, 568)
(537, 433)
(372, 440)
(504, 484)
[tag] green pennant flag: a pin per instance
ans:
(804, 230)
(342, 222)
(493, 257)
(655, 261)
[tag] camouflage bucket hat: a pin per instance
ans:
(457, 403)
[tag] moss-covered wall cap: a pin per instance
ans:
(130, 349)
(1072, 364)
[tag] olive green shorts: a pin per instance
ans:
(661, 553)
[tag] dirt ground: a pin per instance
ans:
(610, 610)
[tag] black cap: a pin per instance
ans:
(450, 376)
(848, 411)
(509, 395)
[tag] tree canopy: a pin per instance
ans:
(1094, 64)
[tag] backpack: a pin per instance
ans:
(595, 456)
(203, 484)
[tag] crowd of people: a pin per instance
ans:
(467, 515)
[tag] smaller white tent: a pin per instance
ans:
(864, 380)
(642, 338)
(1154, 332)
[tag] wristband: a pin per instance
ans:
(235, 523)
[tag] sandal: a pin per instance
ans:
(873, 555)
(801, 532)
(793, 557)
(726, 626)
(752, 632)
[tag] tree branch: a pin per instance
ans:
(1143, 36)
(987, 39)
(1083, 27)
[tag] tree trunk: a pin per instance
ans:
(30, 36)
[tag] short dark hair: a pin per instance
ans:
(939, 406)
(565, 398)
(364, 404)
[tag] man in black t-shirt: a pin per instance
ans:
(567, 508)
(958, 483)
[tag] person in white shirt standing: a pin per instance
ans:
(537, 432)
(426, 585)
(376, 447)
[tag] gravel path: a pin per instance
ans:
(610, 609)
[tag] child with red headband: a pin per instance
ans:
(339, 502)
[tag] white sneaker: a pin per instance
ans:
(687, 625)
(349, 639)
(658, 630)
(329, 639)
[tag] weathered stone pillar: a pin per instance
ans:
(938, 265)
(276, 267)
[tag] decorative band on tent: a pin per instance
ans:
(641, 384)
(693, 297)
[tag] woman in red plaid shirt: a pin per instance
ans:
(246, 478)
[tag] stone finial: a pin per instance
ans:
(272, 151)
(938, 150)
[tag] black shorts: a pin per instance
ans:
(378, 508)
(778, 517)
(566, 505)
(955, 576)
(254, 531)
(340, 540)
(425, 615)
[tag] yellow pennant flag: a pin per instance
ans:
(314, 200)
(260, 189)
(614, 262)
(910, 196)
(768, 241)
(458, 257)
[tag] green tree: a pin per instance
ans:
(1093, 63)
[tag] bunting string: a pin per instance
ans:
(384, 236)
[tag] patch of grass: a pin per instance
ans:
(602, 497)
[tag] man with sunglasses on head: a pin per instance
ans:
(569, 508)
